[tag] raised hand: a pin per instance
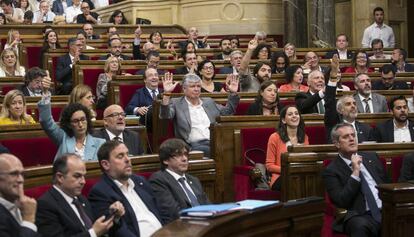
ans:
(138, 32)
(168, 83)
(46, 82)
(232, 82)
(205, 39)
(252, 44)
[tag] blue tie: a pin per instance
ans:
(190, 195)
(372, 204)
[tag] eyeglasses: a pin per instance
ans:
(77, 121)
(14, 174)
(116, 114)
(208, 68)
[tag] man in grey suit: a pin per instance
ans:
(174, 189)
(367, 101)
(193, 115)
(114, 129)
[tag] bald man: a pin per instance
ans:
(17, 211)
(114, 129)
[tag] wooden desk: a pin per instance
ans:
(397, 209)
(304, 219)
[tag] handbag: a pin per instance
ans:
(258, 175)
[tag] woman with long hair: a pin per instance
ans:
(206, 71)
(291, 132)
(13, 110)
(290, 51)
(279, 62)
(10, 65)
(13, 40)
(267, 101)
(118, 18)
(50, 41)
(157, 40)
(294, 80)
(112, 67)
(82, 94)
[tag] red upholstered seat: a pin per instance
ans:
(396, 164)
(316, 134)
(90, 78)
(126, 92)
(254, 145)
(33, 56)
(36, 192)
(90, 182)
(32, 151)
(242, 108)
(7, 88)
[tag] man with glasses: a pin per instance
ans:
(114, 129)
(33, 82)
(44, 14)
(173, 187)
(377, 47)
(17, 211)
(153, 61)
(87, 16)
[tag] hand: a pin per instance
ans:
(118, 208)
(334, 65)
(27, 206)
(306, 65)
(252, 44)
(138, 32)
(46, 82)
(101, 226)
(204, 40)
(232, 82)
(142, 110)
(356, 161)
(168, 83)
(90, 18)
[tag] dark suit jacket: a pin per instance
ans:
(226, 70)
(171, 197)
(307, 103)
(141, 97)
(407, 67)
(344, 191)
(9, 227)
(397, 85)
(122, 56)
(136, 52)
(183, 44)
(330, 54)
(81, 19)
(256, 108)
(55, 217)
(57, 6)
(384, 132)
(332, 118)
(130, 138)
(105, 192)
(182, 70)
(64, 72)
(407, 169)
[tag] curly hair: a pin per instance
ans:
(260, 47)
(66, 116)
(201, 65)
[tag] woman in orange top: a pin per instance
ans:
(291, 132)
(294, 80)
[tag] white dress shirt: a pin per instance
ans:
(371, 106)
(402, 134)
(112, 136)
(71, 12)
(200, 123)
(176, 177)
(374, 31)
(15, 212)
(147, 221)
(343, 54)
(50, 16)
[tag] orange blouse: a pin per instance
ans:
(289, 88)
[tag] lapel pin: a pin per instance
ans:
(191, 182)
(141, 183)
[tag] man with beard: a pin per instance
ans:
(399, 128)
(262, 71)
(33, 82)
(312, 101)
(235, 61)
(115, 49)
(388, 81)
(225, 46)
(367, 101)
(342, 111)
(118, 183)
(378, 30)
(114, 129)
(398, 58)
(173, 187)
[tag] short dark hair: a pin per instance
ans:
(260, 47)
(7, 2)
(71, 41)
(171, 147)
(82, 32)
(395, 98)
(61, 165)
(34, 73)
(260, 65)
(342, 34)
(232, 37)
(378, 9)
(201, 65)
(334, 132)
(377, 41)
(28, 15)
(403, 52)
(112, 40)
(223, 39)
(387, 68)
(105, 150)
(65, 119)
(152, 53)
(290, 72)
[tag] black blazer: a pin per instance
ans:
(397, 85)
(182, 70)
(407, 169)
(136, 52)
(332, 118)
(330, 54)
(55, 217)
(226, 70)
(81, 19)
(256, 108)
(384, 132)
(64, 72)
(122, 56)
(307, 103)
(131, 140)
(171, 197)
(9, 227)
(407, 67)
(345, 191)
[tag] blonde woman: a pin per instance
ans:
(112, 68)
(13, 40)
(14, 109)
(82, 94)
(290, 51)
(10, 65)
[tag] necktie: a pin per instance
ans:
(321, 108)
(372, 204)
(154, 94)
(117, 139)
(367, 109)
(85, 218)
(190, 195)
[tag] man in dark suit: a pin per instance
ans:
(114, 128)
(399, 128)
(173, 187)
(190, 64)
(341, 48)
(141, 102)
(87, 16)
(65, 64)
(153, 60)
(192, 34)
(225, 46)
(407, 169)
(17, 211)
(115, 50)
(388, 80)
(88, 28)
(312, 101)
(136, 46)
(63, 211)
(33, 82)
(398, 58)
(368, 101)
(350, 181)
(235, 60)
(118, 183)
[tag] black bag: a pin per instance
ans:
(258, 175)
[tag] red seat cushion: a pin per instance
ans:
(126, 92)
(242, 108)
(33, 56)
(254, 141)
(36, 192)
(316, 134)
(90, 78)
